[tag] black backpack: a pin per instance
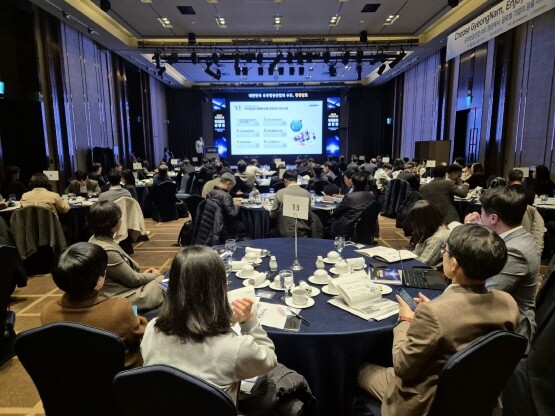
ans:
(185, 237)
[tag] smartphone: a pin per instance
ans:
(407, 298)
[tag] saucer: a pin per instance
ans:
(313, 280)
(330, 261)
(308, 304)
(257, 261)
(240, 275)
(314, 291)
(327, 291)
(334, 270)
(275, 286)
(265, 283)
(386, 290)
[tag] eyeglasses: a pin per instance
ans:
(443, 249)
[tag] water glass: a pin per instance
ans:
(271, 191)
(228, 269)
(286, 281)
(12, 198)
(231, 246)
(339, 244)
(544, 198)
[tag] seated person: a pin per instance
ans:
(115, 191)
(327, 170)
(80, 273)
(128, 180)
(254, 169)
(541, 181)
(425, 339)
(209, 186)
(123, 276)
(383, 177)
(96, 175)
(12, 185)
(516, 178)
(429, 232)
(247, 177)
(194, 332)
(478, 177)
(286, 225)
(187, 167)
(409, 175)
(82, 185)
(40, 195)
(161, 177)
(341, 222)
(230, 208)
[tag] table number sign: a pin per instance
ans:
(430, 163)
(296, 206)
(137, 166)
(52, 175)
(385, 159)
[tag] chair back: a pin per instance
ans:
(192, 187)
(366, 226)
(331, 189)
(163, 202)
(472, 379)
(184, 183)
(132, 220)
(192, 203)
(72, 366)
(318, 186)
(165, 390)
(10, 272)
(278, 185)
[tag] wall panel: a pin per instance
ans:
(159, 118)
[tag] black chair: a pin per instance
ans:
(10, 272)
(192, 202)
(163, 202)
(472, 379)
(278, 186)
(331, 189)
(338, 181)
(192, 187)
(72, 366)
(165, 390)
(366, 226)
(318, 186)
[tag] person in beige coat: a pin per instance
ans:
(41, 196)
(123, 276)
(426, 338)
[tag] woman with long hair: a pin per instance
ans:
(194, 330)
(429, 232)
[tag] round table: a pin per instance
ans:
(329, 352)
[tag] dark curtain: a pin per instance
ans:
(185, 116)
(369, 108)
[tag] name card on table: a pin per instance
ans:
(430, 163)
(194, 159)
(361, 158)
(281, 172)
(137, 166)
(174, 161)
(385, 159)
(52, 175)
(296, 206)
(525, 171)
(277, 161)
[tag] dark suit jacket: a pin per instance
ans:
(440, 192)
(531, 389)
(341, 222)
(411, 178)
(75, 188)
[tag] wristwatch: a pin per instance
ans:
(403, 319)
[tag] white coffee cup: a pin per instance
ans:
(250, 256)
(333, 256)
(300, 296)
(321, 276)
(258, 278)
(247, 270)
(341, 267)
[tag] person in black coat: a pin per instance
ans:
(409, 175)
(341, 222)
(230, 209)
(12, 184)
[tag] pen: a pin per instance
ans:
(301, 318)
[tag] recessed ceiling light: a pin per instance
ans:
(164, 21)
(277, 21)
(211, 1)
(334, 20)
(389, 21)
(146, 1)
(221, 22)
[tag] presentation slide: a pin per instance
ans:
(276, 127)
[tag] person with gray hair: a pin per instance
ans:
(229, 207)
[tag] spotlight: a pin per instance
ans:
(291, 70)
(215, 58)
(281, 70)
(105, 5)
(192, 38)
(360, 56)
(173, 59)
(260, 70)
(453, 3)
(309, 57)
(157, 59)
(301, 70)
(259, 58)
(333, 71)
(249, 57)
(359, 72)
(363, 36)
(271, 69)
(194, 58)
(345, 59)
(398, 58)
(299, 57)
(381, 69)
(245, 71)
(290, 58)
(161, 71)
(215, 75)
(278, 57)
(237, 69)
(326, 56)
(66, 15)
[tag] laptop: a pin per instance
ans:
(420, 278)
